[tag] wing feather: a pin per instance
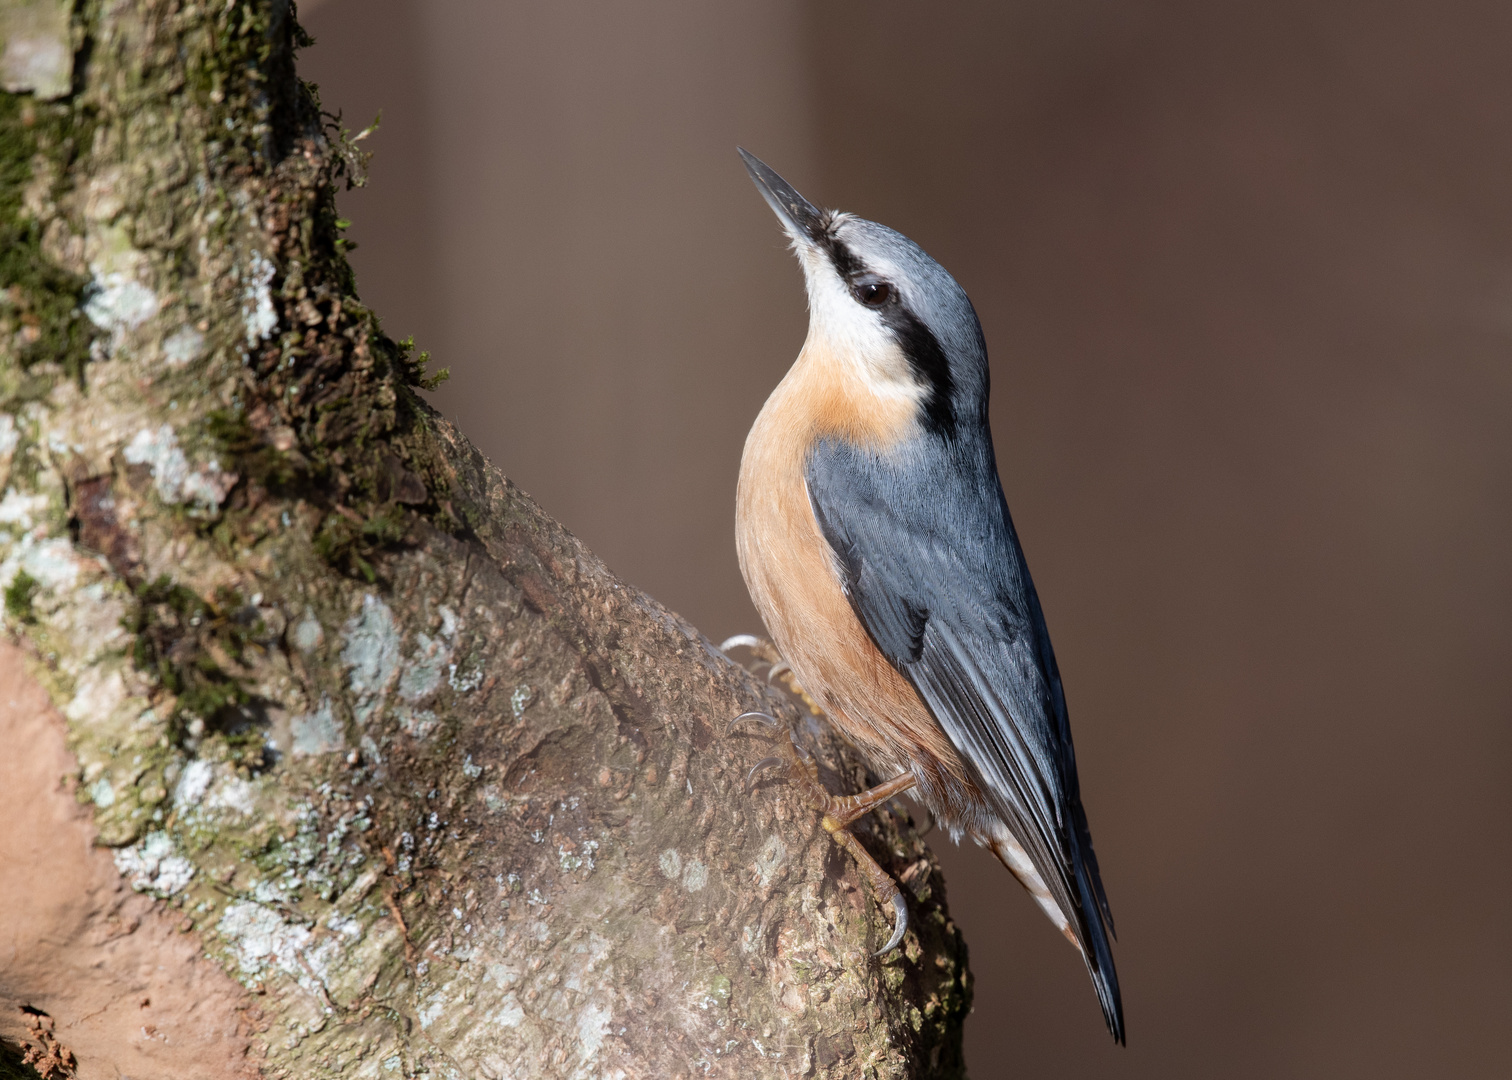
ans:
(932, 567)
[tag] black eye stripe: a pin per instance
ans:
(925, 355)
(929, 362)
(846, 263)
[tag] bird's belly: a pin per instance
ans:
(789, 570)
(794, 582)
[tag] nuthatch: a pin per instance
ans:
(876, 542)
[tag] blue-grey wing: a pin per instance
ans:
(932, 567)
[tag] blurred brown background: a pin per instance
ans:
(1245, 271)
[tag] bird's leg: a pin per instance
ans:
(839, 812)
(844, 809)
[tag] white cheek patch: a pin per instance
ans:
(854, 335)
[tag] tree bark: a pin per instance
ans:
(359, 764)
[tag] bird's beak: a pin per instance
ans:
(802, 220)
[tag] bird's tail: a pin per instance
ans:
(1089, 928)
(1096, 927)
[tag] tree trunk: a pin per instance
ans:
(360, 765)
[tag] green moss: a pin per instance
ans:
(45, 302)
(193, 646)
(415, 368)
(230, 78)
(364, 454)
(19, 595)
(352, 543)
(247, 454)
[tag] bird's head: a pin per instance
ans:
(882, 307)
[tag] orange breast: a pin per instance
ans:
(791, 570)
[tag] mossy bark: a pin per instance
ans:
(389, 744)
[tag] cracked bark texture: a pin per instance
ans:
(356, 763)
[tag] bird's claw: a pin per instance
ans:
(764, 651)
(766, 718)
(900, 924)
(748, 641)
(764, 763)
(779, 668)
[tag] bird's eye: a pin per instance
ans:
(874, 293)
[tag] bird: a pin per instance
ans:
(875, 539)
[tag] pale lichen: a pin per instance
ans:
(424, 669)
(193, 782)
(154, 865)
(695, 875)
(417, 723)
(372, 652)
(773, 855)
(261, 939)
(317, 731)
(307, 635)
(465, 682)
(184, 346)
(257, 309)
(176, 480)
(20, 509)
(119, 303)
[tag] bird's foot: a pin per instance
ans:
(882, 884)
(838, 812)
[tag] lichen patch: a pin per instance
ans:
(695, 875)
(773, 855)
(100, 692)
(154, 865)
(119, 303)
(20, 509)
(192, 784)
(261, 939)
(424, 669)
(372, 648)
(182, 347)
(51, 562)
(307, 635)
(317, 731)
(258, 313)
(176, 480)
